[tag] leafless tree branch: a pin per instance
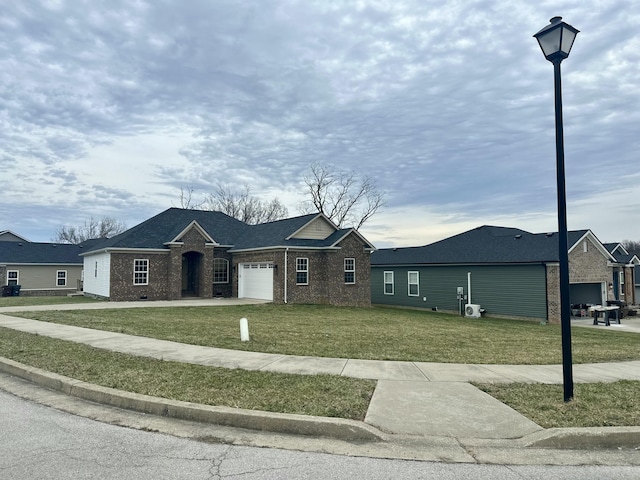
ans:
(343, 197)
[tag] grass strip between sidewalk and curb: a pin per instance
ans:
(614, 404)
(374, 333)
(317, 395)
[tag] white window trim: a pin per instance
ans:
(145, 262)
(17, 279)
(352, 270)
(64, 277)
(385, 283)
(417, 294)
(299, 270)
(621, 277)
(214, 271)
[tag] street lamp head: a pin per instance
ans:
(556, 39)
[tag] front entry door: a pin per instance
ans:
(191, 274)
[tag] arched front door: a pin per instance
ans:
(191, 265)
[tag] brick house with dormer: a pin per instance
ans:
(192, 253)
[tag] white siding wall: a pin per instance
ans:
(97, 282)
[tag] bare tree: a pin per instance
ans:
(240, 204)
(106, 227)
(187, 201)
(631, 246)
(344, 197)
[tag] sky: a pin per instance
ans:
(109, 108)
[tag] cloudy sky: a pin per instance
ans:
(108, 108)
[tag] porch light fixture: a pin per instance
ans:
(556, 40)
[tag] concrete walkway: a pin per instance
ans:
(411, 398)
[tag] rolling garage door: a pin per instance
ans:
(255, 280)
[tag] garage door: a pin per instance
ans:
(586, 293)
(255, 280)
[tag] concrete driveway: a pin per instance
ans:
(190, 302)
(627, 324)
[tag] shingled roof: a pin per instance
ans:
(482, 245)
(22, 253)
(224, 230)
(620, 253)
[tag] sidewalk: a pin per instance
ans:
(411, 398)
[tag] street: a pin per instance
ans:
(44, 443)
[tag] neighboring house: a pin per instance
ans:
(511, 273)
(191, 253)
(9, 236)
(624, 273)
(40, 268)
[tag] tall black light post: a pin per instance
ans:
(556, 40)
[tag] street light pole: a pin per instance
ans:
(556, 41)
(563, 244)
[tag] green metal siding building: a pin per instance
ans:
(510, 290)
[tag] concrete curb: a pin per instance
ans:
(337, 428)
(585, 438)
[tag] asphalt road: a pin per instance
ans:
(44, 443)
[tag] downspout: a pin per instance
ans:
(469, 287)
(286, 263)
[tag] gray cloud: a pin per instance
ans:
(446, 104)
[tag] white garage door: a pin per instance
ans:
(255, 280)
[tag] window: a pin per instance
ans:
(302, 271)
(622, 283)
(95, 270)
(220, 270)
(61, 278)
(584, 246)
(141, 272)
(388, 283)
(349, 270)
(414, 284)
(12, 277)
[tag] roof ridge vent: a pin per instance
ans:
(518, 236)
(550, 234)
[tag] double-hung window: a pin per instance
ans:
(61, 278)
(12, 277)
(141, 271)
(388, 283)
(414, 284)
(302, 271)
(220, 270)
(349, 270)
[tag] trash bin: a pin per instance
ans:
(15, 290)
(7, 290)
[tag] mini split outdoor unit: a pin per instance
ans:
(472, 310)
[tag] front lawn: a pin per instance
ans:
(364, 333)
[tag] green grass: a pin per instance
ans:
(323, 395)
(23, 301)
(363, 333)
(594, 404)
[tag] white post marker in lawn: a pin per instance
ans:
(244, 330)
